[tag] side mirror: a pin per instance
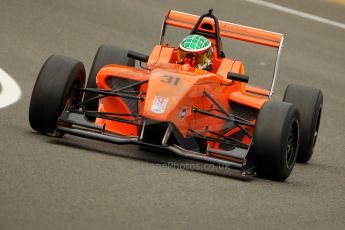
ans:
(138, 56)
(238, 77)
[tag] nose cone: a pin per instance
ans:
(166, 93)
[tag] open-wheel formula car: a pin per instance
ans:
(206, 114)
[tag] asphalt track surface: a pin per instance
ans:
(74, 183)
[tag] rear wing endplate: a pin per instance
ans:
(229, 30)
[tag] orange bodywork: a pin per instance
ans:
(172, 90)
(182, 86)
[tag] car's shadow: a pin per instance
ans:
(158, 158)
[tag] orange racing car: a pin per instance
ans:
(190, 100)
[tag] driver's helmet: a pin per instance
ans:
(197, 51)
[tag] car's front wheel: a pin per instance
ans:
(53, 92)
(276, 140)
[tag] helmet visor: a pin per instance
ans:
(200, 58)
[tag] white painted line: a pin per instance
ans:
(298, 13)
(10, 90)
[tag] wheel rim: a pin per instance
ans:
(72, 98)
(292, 144)
(316, 131)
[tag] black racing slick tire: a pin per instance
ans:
(309, 102)
(53, 92)
(105, 55)
(276, 140)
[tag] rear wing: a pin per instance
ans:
(228, 30)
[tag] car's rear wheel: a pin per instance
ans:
(276, 140)
(53, 92)
(309, 102)
(105, 55)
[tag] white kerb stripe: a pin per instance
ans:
(10, 90)
(298, 13)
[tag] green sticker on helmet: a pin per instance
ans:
(195, 43)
